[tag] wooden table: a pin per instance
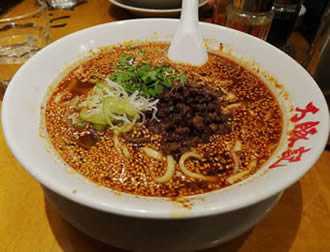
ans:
(300, 222)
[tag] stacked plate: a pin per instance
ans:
(153, 8)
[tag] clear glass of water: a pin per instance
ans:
(24, 30)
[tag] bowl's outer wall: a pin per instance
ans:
(139, 234)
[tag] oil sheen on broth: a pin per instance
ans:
(131, 120)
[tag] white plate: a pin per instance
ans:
(145, 12)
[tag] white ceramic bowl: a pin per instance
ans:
(128, 221)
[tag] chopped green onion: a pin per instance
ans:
(149, 80)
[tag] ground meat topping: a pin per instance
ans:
(188, 116)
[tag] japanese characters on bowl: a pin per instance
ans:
(304, 127)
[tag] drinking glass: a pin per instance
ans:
(24, 30)
(285, 16)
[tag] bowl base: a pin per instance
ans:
(155, 234)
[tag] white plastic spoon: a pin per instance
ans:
(187, 45)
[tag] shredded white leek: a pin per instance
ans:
(110, 105)
(170, 169)
(191, 174)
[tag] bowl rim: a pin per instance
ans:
(92, 203)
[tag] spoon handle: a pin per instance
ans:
(187, 45)
(189, 14)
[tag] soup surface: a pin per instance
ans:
(131, 120)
